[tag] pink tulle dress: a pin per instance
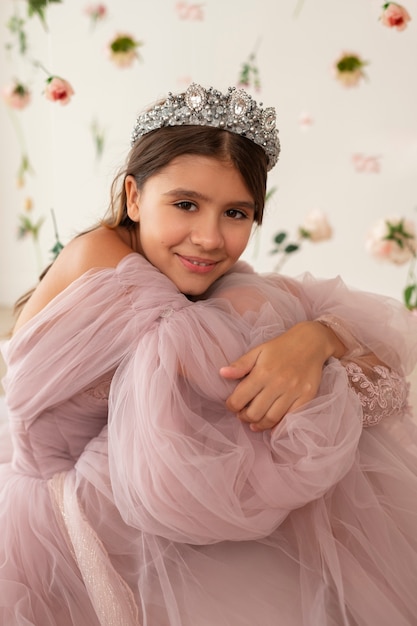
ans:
(134, 497)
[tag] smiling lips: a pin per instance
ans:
(197, 265)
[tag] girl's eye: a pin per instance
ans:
(236, 214)
(186, 205)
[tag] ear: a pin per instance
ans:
(132, 198)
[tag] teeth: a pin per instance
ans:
(202, 264)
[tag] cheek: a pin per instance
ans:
(238, 242)
(160, 232)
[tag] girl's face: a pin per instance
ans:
(195, 219)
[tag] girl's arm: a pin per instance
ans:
(284, 373)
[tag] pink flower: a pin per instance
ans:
(316, 227)
(16, 95)
(395, 16)
(96, 11)
(305, 120)
(366, 163)
(395, 240)
(122, 50)
(348, 69)
(392, 239)
(58, 90)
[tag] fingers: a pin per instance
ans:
(262, 416)
(233, 372)
(245, 394)
(277, 377)
(241, 367)
(266, 411)
(256, 393)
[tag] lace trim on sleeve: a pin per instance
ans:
(382, 394)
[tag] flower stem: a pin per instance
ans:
(41, 66)
(285, 254)
(25, 165)
(18, 130)
(38, 253)
(299, 6)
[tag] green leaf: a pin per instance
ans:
(269, 194)
(349, 64)
(15, 25)
(305, 234)
(397, 229)
(124, 44)
(27, 227)
(98, 138)
(409, 291)
(279, 238)
(56, 249)
(37, 7)
(292, 247)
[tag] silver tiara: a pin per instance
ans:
(235, 111)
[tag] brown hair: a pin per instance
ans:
(154, 151)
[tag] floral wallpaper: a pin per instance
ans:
(342, 200)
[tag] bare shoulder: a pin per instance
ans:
(101, 247)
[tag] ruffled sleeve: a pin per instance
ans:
(185, 468)
(369, 325)
(380, 324)
(377, 324)
(82, 334)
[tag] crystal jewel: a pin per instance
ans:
(195, 97)
(269, 119)
(235, 111)
(239, 103)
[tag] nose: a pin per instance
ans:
(207, 234)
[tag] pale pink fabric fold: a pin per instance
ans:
(156, 506)
(211, 478)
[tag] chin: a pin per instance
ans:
(196, 293)
(195, 290)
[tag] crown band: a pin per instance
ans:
(235, 111)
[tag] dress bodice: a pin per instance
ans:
(56, 439)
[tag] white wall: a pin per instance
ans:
(294, 57)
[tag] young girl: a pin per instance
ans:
(146, 485)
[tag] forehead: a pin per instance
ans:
(202, 169)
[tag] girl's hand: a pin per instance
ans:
(280, 375)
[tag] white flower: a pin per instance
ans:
(316, 226)
(348, 69)
(16, 95)
(123, 49)
(392, 239)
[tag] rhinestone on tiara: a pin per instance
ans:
(235, 111)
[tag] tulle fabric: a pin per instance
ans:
(6, 448)
(158, 507)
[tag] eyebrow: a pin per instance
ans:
(196, 195)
